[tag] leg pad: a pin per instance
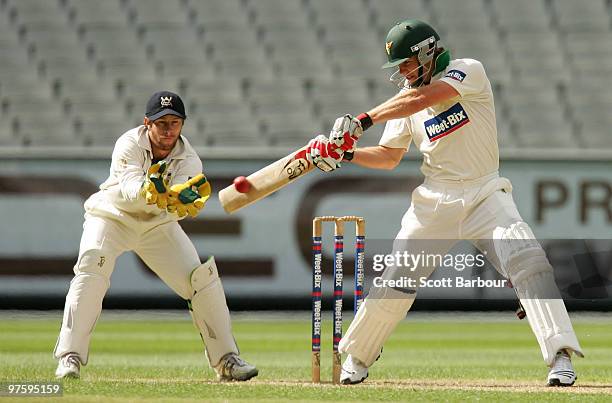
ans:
(210, 313)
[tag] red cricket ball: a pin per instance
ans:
(242, 184)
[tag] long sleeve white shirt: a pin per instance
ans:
(119, 196)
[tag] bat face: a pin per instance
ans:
(267, 180)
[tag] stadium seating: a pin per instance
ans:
(575, 16)
(521, 16)
(102, 129)
(94, 12)
(394, 11)
(251, 70)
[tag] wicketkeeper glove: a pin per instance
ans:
(154, 188)
(189, 197)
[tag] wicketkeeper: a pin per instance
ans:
(155, 180)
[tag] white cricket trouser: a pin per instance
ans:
(447, 212)
(166, 249)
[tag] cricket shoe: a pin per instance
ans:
(69, 366)
(353, 371)
(233, 368)
(562, 372)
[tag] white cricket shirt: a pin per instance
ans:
(458, 138)
(119, 196)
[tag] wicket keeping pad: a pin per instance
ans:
(209, 312)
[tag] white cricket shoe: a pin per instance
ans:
(233, 368)
(562, 372)
(353, 371)
(69, 366)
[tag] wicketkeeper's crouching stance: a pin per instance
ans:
(446, 108)
(155, 179)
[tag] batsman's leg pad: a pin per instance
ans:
(375, 321)
(531, 274)
(81, 312)
(210, 313)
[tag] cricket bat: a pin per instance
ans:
(266, 181)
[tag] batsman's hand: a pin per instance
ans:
(189, 197)
(154, 188)
(346, 132)
(324, 154)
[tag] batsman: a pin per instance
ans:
(155, 180)
(446, 108)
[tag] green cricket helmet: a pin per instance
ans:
(414, 38)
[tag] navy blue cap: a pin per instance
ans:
(164, 103)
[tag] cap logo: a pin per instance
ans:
(166, 101)
(388, 47)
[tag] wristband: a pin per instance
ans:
(348, 156)
(366, 121)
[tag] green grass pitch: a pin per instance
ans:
(158, 357)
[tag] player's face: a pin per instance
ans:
(164, 133)
(410, 70)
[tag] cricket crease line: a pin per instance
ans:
(421, 384)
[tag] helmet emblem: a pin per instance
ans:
(166, 101)
(388, 47)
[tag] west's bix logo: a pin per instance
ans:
(456, 75)
(446, 122)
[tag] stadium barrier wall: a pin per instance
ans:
(263, 251)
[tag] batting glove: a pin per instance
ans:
(155, 185)
(189, 197)
(345, 133)
(324, 154)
